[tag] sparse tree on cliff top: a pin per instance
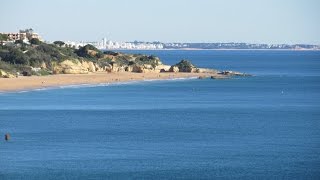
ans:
(35, 41)
(59, 43)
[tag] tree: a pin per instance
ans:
(18, 42)
(3, 37)
(87, 52)
(152, 57)
(35, 41)
(185, 66)
(111, 53)
(59, 43)
(15, 56)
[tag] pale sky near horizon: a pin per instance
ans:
(252, 21)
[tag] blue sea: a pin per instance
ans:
(262, 127)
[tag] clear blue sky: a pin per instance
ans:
(253, 21)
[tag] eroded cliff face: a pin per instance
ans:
(45, 59)
(81, 66)
(76, 66)
(4, 74)
(73, 66)
(113, 62)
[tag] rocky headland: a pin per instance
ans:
(40, 60)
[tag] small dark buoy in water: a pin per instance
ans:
(7, 137)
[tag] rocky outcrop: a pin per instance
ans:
(4, 74)
(43, 65)
(174, 69)
(155, 66)
(117, 68)
(162, 68)
(142, 69)
(71, 67)
(138, 64)
(233, 73)
(184, 66)
(7, 137)
(88, 65)
(202, 77)
(55, 59)
(76, 66)
(119, 62)
(129, 68)
(108, 68)
(205, 70)
(137, 69)
(92, 52)
(99, 68)
(26, 73)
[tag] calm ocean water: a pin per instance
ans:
(261, 127)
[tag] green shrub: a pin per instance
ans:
(111, 53)
(185, 66)
(43, 72)
(3, 37)
(84, 52)
(59, 43)
(35, 41)
(18, 42)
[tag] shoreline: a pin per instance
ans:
(25, 83)
(198, 49)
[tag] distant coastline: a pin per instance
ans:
(157, 45)
(197, 49)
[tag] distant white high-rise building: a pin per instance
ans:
(108, 44)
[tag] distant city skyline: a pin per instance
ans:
(249, 21)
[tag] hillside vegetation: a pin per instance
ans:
(38, 58)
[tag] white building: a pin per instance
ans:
(108, 44)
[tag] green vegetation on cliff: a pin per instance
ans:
(185, 66)
(89, 51)
(35, 41)
(39, 58)
(3, 37)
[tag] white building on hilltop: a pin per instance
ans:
(132, 45)
(113, 45)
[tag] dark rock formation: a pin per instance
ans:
(233, 73)
(7, 137)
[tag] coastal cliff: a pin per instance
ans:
(44, 59)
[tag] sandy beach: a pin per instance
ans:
(35, 82)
